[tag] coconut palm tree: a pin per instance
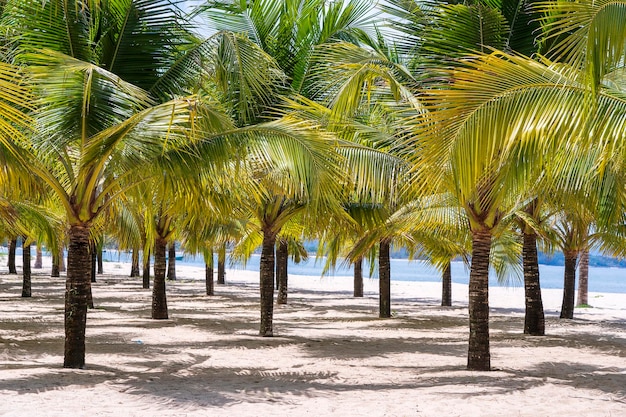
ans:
(372, 175)
(481, 128)
(507, 78)
(289, 31)
(485, 165)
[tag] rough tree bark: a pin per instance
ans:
(146, 270)
(38, 258)
(282, 257)
(583, 279)
(94, 261)
(221, 264)
(446, 285)
(171, 262)
(76, 293)
(267, 283)
(478, 355)
(62, 267)
(358, 277)
(134, 264)
(11, 260)
(210, 282)
(159, 299)
(93, 256)
(569, 284)
(384, 280)
(534, 320)
(100, 260)
(26, 279)
(56, 269)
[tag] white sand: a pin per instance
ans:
(331, 355)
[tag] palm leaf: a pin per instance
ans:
(589, 35)
(59, 25)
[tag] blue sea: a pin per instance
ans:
(611, 280)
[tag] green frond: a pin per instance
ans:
(491, 129)
(296, 159)
(247, 78)
(506, 259)
(407, 21)
(15, 123)
(58, 25)
(460, 30)
(139, 39)
(346, 76)
(288, 30)
(589, 35)
(78, 99)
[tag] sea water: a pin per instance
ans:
(611, 280)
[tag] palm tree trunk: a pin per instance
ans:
(100, 260)
(171, 262)
(221, 264)
(583, 279)
(55, 266)
(282, 257)
(38, 257)
(134, 264)
(26, 279)
(267, 284)
(384, 280)
(210, 283)
(159, 299)
(569, 284)
(534, 321)
(76, 292)
(92, 253)
(446, 285)
(11, 260)
(62, 267)
(358, 277)
(478, 356)
(146, 269)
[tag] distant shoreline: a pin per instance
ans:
(602, 278)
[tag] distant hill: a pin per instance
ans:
(594, 260)
(556, 259)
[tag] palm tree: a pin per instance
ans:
(492, 97)
(289, 31)
(26, 267)
(171, 261)
(497, 89)
(94, 128)
(583, 279)
(306, 182)
(573, 230)
(484, 165)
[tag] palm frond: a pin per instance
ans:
(589, 35)
(59, 25)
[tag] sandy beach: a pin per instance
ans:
(332, 356)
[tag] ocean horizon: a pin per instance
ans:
(601, 279)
